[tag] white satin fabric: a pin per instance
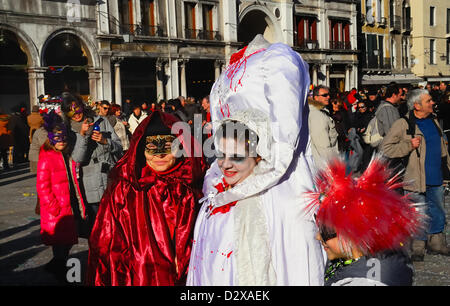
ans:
(266, 239)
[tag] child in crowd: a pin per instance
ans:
(61, 205)
(364, 226)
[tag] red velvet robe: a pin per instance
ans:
(143, 231)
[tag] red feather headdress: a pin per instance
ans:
(365, 212)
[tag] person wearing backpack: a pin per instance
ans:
(427, 165)
(385, 115)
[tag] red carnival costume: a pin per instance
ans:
(143, 232)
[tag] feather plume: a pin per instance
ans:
(365, 212)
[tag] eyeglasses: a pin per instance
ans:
(324, 95)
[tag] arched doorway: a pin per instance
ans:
(67, 65)
(256, 22)
(14, 89)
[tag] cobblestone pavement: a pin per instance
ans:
(22, 255)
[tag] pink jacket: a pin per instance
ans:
(58, 226)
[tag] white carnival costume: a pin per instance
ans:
(266, 238)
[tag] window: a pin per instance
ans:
(189, 19)
(448, 51)
(393, 53)
(339, 31)
(148, 20)
(372, 51)
(208, 21)
(448, 21)
(381, 52)
(126, 16)
(432, 15)
(406, 63)
(380, 10)
(432, 51)
(406, 11)
(306, 37)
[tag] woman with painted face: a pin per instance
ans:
(251, 229)
(143, 231)
(62, 208)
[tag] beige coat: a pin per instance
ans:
(397, 144)
(323, 133)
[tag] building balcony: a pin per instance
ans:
(395, 24)
(407, 22)
(306, 44)
(202, 34)
(142, 30)
(378, 64)
(383, 22)
(340, 45)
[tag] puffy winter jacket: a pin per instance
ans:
(58, 225)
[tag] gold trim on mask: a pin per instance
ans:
(160, 142)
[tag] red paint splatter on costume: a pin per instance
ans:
(236, 64)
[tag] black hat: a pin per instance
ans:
(156, 126)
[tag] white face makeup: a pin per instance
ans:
(234, 162)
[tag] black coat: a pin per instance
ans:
(391, 269)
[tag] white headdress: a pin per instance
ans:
(265, 87)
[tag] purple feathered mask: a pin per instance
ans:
(56, 129)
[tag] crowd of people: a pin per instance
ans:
(159, 215)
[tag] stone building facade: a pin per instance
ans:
(159, 49)
(431, 39)
(386, 27)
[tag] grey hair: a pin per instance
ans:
(415, 96)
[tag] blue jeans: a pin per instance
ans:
(434, 203)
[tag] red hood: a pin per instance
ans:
(130, 166)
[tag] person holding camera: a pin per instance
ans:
(101, 147)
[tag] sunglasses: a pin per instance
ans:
(324, 95)
(327, 234)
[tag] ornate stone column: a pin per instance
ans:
(94, 77)
(36, 84)
(117, 81)
(106, 76)
(182, 64)
(218, 64)
(348, 80)
(314, 76)
(160, 74)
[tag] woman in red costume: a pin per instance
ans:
(143, 231)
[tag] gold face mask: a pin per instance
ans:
(74, 109)
(159, 144)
